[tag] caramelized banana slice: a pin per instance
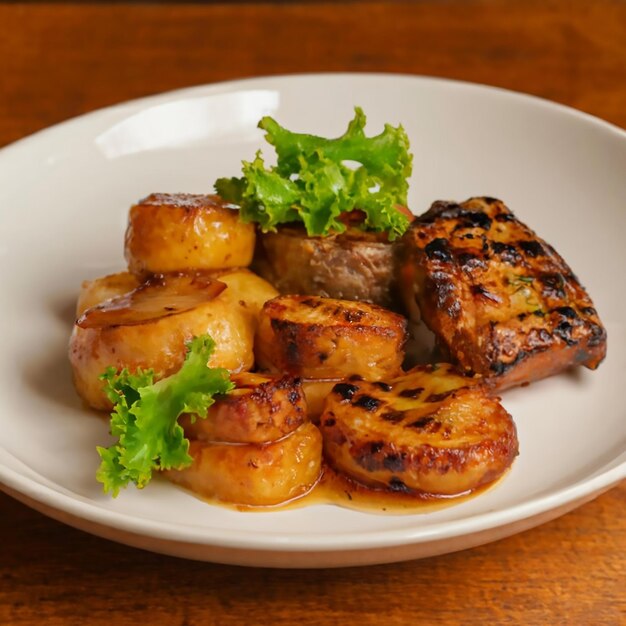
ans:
(258, 410)
(182, 232)
(253, 474)
(317, 337)
(429, 431)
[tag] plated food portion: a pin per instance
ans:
(352, 265)
(429, 430)
(149, 326)
(258, 339)
(501, 301)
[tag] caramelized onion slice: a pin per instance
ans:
(160, 296)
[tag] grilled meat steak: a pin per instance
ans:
(499, 299)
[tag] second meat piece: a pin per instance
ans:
(500, 300)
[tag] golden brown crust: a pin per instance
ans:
(185, 232)
(500, 300)
(258, 410)
(430, 431)
(354, 265)
(316, 337)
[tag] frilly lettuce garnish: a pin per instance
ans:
(311, 182)
(145, 416)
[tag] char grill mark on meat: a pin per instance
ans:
(501, 301)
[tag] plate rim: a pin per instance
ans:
(89, 510)
(320, 542)
(225, 86)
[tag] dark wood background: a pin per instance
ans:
(58, 60)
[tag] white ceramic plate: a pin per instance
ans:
(64, 195)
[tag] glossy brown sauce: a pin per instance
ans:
(334, 488)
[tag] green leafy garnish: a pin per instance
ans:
(145, 416)
(523, 285)
(311, 182)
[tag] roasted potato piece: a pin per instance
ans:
(354, 265)
(429, 431)
(499, 299)
(246, 290)
(255, 474)
(258, 410)
(94, 292)
(156, 338)
(318, 337)
(182, 232)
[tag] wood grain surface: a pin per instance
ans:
(59, 60)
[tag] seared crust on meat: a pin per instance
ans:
(255, 474)
(316, 337)
(355, 265)
(499, 299)
(258, 410)
(430, 430)
(185, 232)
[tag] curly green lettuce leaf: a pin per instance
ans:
(313, 184)
(145, 416)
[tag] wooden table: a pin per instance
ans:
(59, 60)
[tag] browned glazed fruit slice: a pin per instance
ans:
(258, 410)
(319, 338)
(429, 431)
(158, 297)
